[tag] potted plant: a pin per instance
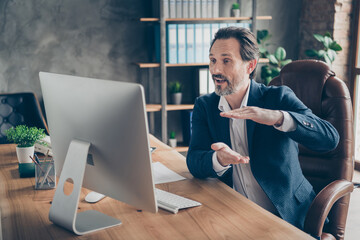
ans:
(175, 91)
(172, 139)
(25, 139)
(276, 61)
(328, 52)
(235, 10)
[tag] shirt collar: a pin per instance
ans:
(224, 105)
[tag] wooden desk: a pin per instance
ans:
(225, 214)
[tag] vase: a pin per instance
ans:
(235, 12)
(176, 98)
(24, 153)
(172, 142)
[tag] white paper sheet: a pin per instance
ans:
(164, 175)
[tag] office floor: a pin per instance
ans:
(352, 230)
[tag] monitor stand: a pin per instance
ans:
(63, 211)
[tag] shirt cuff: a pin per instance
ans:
(218, 168)
(288, 125)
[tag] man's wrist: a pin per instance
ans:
(281, 119)
(218, 168)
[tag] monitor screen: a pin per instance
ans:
(111, 116)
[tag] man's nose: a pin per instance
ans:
(216, 69)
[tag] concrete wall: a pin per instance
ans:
(89, 38)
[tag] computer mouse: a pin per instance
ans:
(94, 197)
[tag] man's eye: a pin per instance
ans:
(226, 60)
(213, 60)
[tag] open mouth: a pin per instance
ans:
(220, 81)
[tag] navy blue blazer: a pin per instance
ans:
(273, 154)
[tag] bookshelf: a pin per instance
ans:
(164, 108)
(156, 65)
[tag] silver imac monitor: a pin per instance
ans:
(99, 138)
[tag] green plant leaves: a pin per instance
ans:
(280, 54)
(335, 46)
(319, 37)
(311, 53)
(329, 51)
(285, 62)
(175, 87)
(272, 59)
(24, 136)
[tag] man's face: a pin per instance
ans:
(229, 72)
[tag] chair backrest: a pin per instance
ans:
(328, 97)
(17, 109)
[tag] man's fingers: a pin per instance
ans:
(218, 146)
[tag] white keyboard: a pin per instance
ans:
(172, 202)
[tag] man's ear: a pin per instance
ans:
(251, 66)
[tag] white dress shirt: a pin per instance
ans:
(244, 181)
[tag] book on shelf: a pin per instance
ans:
(198, 43)
(204, 7)
(209, 9)
(185, 8)
(189, 43)
(181, 46)
(214, 29)
(215, 8)
(206, 83)
(166, 8)
(172, 45)
(197, 8)
(178, 7)
(191, 8)
(206, 41)
(172, 9)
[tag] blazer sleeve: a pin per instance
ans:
(199, 156)
(312, 132)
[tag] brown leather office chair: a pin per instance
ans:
(17, 109)
(330, 173)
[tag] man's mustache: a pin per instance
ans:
(219, 76)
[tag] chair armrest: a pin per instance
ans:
(322, 204)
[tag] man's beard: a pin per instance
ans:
(229, 89)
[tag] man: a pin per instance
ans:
(246, 133)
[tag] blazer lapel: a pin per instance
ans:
(254, 99)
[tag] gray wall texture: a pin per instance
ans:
(92, 38)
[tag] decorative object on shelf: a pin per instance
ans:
(235, 10)
(25, 139)
(175, 91)
(329, 51)
(276, 61)
(172, 139)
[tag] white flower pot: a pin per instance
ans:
(24, 153)
(235, 12)
(172, 142)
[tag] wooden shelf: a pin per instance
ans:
(205, 19)
(182, 149)
(169, 107)
(156, 65)
(153, 107)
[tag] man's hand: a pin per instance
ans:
(259, 115)
(226, 155)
